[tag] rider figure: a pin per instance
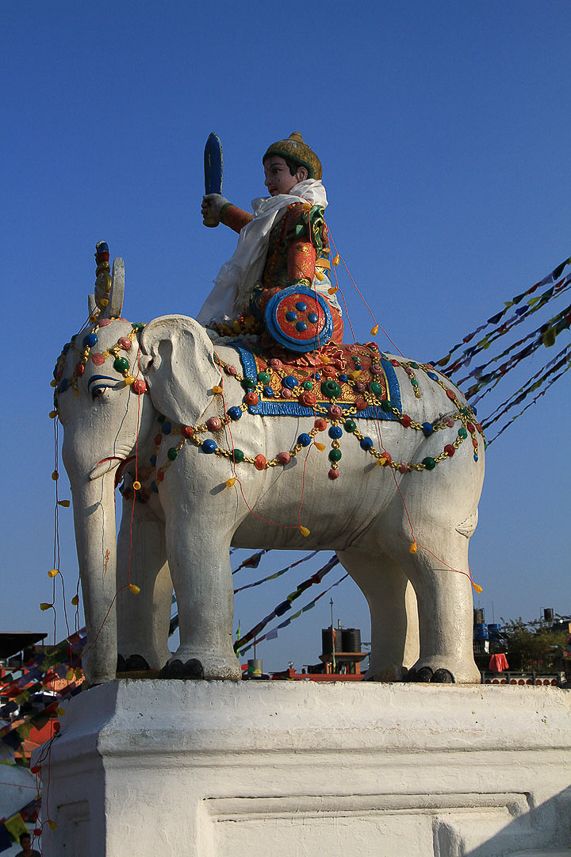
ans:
(283, 243)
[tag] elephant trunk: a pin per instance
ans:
(95, 535)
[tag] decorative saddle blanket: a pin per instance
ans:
(358, 379)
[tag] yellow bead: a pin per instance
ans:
(304, 531)
(53, 383)
(355, 374)
(230, 482)
(306, 206)
(52, 415)
(332, 290)
(413, 548)
(64, 503)
(55, 476)
(325, 358)
(319, 275)
(44, 606)
(129, 380)
(52, 825)
(60, 712)
(53, 572)
(336, 260)
(477, 587)
(75, 600)
(381, 462)
(136, 485)
(134, 588)
(319, 446)
(216, 389)
(103, 301)
(375, 330)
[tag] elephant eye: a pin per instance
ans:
(97, 392)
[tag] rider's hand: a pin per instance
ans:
(212, 204)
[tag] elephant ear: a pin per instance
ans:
(178, 362)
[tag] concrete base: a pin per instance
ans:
(216, 769)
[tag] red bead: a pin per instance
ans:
(285, 393)
(283, 458)
(479, 427)
(320, 424)
(124, 343)
(160, 476)
(388, 458)
(139, 386)
(360, 387)
(449, 449)
(451, 394)
(448, 421)
(333, 474)
(474, 443)
(276, 364)
(395, 363)
(470, 427)
(260, 462)
(98, 358)
(158, 439)
(334, 412)
(307, 399)
(213, 424)
(186, 431)
(329, 371)
(230, 370)
(403, 467)
(56, 726)
(251, 398)
(104, 322)
(406, 420)
(360, 404)
(79, 369)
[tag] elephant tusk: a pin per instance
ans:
(104, 466)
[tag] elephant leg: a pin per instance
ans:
(394, 620)
(200, 567)
(143, 619)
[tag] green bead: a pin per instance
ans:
(429, 463)
(335, 455)
(413, 365)
(330, 389)
(172, 453)
(350, 425)
(386, 406)
(414, 382)
(121, 364)
(238, 456)
(264, 377)
(462, 433)
(375, 388)
(307, 385)
(248, 384)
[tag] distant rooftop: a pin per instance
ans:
(12, 643)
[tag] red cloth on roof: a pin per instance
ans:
(498, 663)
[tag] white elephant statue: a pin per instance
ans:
(161, 406)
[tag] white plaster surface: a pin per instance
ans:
(217, 769)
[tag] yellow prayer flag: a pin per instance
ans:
(16, 826)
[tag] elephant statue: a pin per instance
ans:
(163, 409)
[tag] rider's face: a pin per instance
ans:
(278, 177)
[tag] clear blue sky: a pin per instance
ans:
(444, 132)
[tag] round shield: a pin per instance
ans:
(299, 319)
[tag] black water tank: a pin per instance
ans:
(351, 640)
(548, 614)
(479, 618)
(327, 642)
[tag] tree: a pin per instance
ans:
(533, 646)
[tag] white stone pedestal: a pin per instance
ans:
(285, 769)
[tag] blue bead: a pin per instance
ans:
(427, 429)
(209, 445)
(89, 340)
(343, 377)
(366, 443)
(153, 460)
(475, 457)
(301, 306)
(304, 439)
(62, 386)
(335, 432)
(291, 315)
(268, 392)
(433, 376)
(318, 376)
(166, 428)
(289, 381)
(301, 326)
(234, 412)
(154, 487)
(312, 317)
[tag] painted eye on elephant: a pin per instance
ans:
(97, 392)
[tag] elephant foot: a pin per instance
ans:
(428, 675)
(136, 663)
(204, 667)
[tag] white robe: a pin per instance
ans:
(232, 287)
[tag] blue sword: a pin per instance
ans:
(213, 168)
